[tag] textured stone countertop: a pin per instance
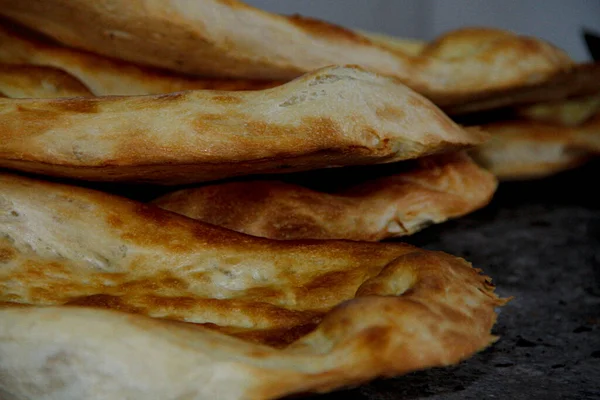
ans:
(540, 242)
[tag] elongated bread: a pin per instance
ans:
(106, 76)
(582, 114)
(587, 136)
(567, 112)
(270, 318)
(332, 117)
(395, 44)
(578, 81)
(26, 81)
(401, 203)
(231, 39)
(522, 149)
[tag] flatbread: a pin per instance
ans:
(335, 116)
(26, 81)
(567, 112)
(396, 44)
(105, 76)
(580, 80)
(407, 200)
(522, 149)
(582, 114)
(587, 136)
(227, 38)
(250, 318)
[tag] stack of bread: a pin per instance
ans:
(276, 150)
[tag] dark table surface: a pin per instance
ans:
(540, 242)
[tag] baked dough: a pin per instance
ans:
(581, 80)
(522, 149)
(587, 136)
(395, 44)
(542, 139)
(567, 112)
(263, 318)
(402, 202)
(105, 76)
(231, 39)
(336, 116)
(110, 76)
(26, 81)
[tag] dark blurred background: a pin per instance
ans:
(558, 21)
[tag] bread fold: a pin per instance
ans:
(397, 202)
(234, 316)
(336, 116)
(231, 39)
(526, 149)
(27, 81)
(578, 81)
(105, 76)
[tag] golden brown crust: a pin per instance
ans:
(522, 149)
(26, 81)
(566, 112)
(364, 309)
(106, 76)
(580, 80)
(587, 136)
(396, 44)
(316, 27)
(332, 117)
(461, 42)
(216, 38)
(434, 189)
